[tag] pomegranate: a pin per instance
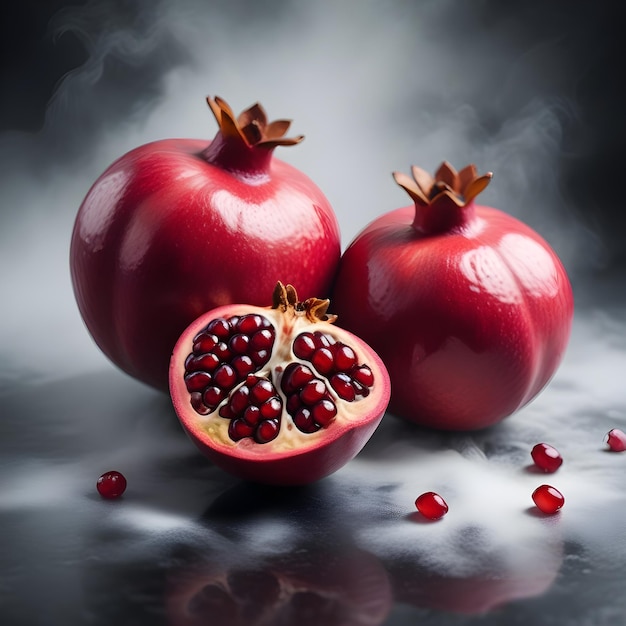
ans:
(469, 308)
(180, 226)
(279, 394)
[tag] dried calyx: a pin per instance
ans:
(251, 126)
(244, 143)
(442, 200)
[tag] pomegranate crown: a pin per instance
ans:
(447, 184)
(285, 298)
(251, 126)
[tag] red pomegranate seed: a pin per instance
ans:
(304, 346)
(616, 440)
(342, 384)
(548, 499)
(322, 340)
(197, 381)
(266, 431)
(220, 327)
(312, 392)
(197, 402)
(271, 409)
(239, 429)
(204, 343)
(323, 412)
(546, 457)
(323, 361)
(262, 340)
(250, 323)
(431, 505)
(363, 374)
(111, 485)
(252, 415)
(303, 420)
(243, 365)
(225, 376)
(212, 396)
(345, 358)
(262, 390)
(238, 344)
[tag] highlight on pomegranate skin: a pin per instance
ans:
(277, 394)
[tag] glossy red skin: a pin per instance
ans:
(341, 443)
(471, 323)
(163, 236)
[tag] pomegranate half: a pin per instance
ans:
(277, 395)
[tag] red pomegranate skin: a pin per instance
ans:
(469, 308)
(179, 226)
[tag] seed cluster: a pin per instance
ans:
(309, 403)
(336, 361)
(223, 367)
(254, 409)
(223, 354)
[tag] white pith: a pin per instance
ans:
(287, 327)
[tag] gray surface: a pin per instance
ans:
(69, 557)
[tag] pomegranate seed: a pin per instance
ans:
(431, 505)
(111, 485)
(219, 327)
(271, 409)
(616, 440)
(249, 323)
(197, 381)
(345, 358)
(212, 396)
(197, 403)
(239, 399)
(252, 415)
(363, 374)
(263, 390)
(243, 365)
(312, 392)
(221, 351)
(204, 343)
(266, 431)
(239, 428)
(323, 412)
(546, 457)
(303, 420)
(323, 360)
(304, 346)
(225, 376)
(342, 384)
(262, 340)
(548, 499)
(321, 340)
(238, 344)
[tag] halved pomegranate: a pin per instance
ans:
(277, 395)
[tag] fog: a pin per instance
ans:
(375, 86)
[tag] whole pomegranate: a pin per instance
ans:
(469, 308)
(180, 226)
(277, 395)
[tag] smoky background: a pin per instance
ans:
(528, 90)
